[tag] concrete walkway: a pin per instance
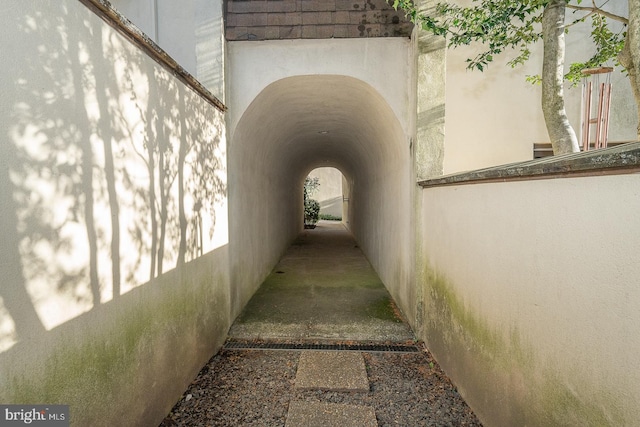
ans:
(324, 289)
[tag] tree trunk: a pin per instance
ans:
(630, 56)
(563, 137)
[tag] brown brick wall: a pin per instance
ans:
(313, 19)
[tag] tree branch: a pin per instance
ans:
(595, 9)
(579, 20)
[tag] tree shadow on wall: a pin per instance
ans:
(110, 165)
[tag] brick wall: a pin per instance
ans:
(313, 19)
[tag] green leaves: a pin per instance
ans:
(608, 47)
(499, 25)
(511, 26)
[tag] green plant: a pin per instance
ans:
(330, 217)
(311, 186)
(311, 206)
(311, 212)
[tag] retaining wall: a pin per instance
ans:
(528, 288)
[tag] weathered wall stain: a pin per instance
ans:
(500, 375)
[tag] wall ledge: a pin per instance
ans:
(120, 23)
(622, 159)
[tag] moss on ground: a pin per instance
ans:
(384, 309)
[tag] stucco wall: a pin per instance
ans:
(531, 299)
(428, 118)
(115, 287)
(383, 63)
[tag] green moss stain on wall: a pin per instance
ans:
(476, 335)
(117, 365)
(499, 375)
(94, 371)
(565, 407)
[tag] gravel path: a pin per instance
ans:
(254, 388)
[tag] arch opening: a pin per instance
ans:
(330, 193)
(301, 123)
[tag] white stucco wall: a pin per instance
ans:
(531, 297)
(494, 117)
(383, 63)
(100, 146)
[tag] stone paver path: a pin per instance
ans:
(318, 414)
(332, 371)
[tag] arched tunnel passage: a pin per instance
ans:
(293, 126)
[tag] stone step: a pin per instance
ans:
(340, 371)
(319, 414)
(332, 370)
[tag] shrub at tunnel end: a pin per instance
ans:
(311, 206)
(311, 213)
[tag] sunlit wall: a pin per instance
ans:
(113, 178)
